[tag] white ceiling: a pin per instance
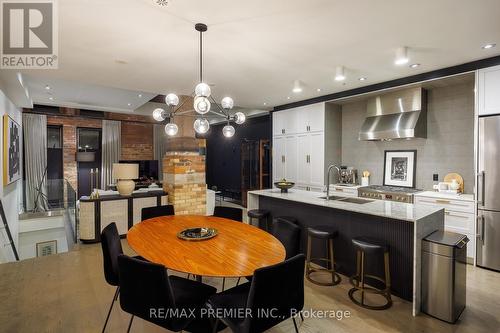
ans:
(254, 50)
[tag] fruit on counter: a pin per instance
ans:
(366, 174)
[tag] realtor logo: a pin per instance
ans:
(29, 34)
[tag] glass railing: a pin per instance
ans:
(58, 197)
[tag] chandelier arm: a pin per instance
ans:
(221, 110)
(218, 114)
(176, 108)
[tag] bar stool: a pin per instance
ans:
(260, 215)
(363, 246)
(323, 233)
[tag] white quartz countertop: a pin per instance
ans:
(389, 209)
(438, 195)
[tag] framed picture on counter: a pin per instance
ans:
(400, 168)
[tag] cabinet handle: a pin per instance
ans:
(442, 201)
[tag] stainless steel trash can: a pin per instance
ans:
(444, 275)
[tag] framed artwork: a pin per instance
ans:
(46, 248)
(11, 151)
(400, 168)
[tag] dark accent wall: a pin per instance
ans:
(224, 154)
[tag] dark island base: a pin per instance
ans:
(398, 235)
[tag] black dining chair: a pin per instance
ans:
(289, 235)
(157, 211)
(231, 213)
(146, 289)
(111, 249)
(277, 290)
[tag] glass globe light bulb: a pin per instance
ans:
(239, 118)
(201, 105)
(171, 129)
(172, 100)
(202, 89)
(227, 103)
(158, 114)
(228, 131)
(201, 125)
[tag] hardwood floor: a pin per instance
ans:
(67, 293)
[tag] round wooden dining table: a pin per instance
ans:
(236, 251)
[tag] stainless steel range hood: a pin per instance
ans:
(400, 114)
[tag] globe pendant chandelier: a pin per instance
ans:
(204, 104)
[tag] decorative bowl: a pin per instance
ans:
(284, 185)
(197, 234)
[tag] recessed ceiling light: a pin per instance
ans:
(297, 87)
(488, 46)
(140, 95)
(265, 103)
(318, 90)
(129, 104)
(288, 97)
(47, 87)
(51, 98)
(339, 73)
(414, 65)
(401, 56)
(362, 79)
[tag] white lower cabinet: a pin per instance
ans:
(459, 216)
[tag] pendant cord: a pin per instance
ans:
(201, 56)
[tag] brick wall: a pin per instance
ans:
(137, 141)
(69, 126)
(137, 137)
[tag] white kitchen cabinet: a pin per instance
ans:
(291, 158)
(278, 158)
(279, 123)
(488, 92)
(300, 145)
(311, 159)
(317, 159)
(303, 151)
(459, 214)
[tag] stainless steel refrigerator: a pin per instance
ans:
(488, 228)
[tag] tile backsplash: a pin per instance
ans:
(449, 146)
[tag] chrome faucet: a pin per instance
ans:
(328, 179)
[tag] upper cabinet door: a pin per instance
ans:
(315, 117)
(489, 90)
(290, 121)
(278, 125)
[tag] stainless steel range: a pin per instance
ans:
(392, 193)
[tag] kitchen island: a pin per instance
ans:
(401, 225)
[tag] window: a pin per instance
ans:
(89, 139)
(54, 137)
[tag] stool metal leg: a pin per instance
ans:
(330, 264)
(358, 283)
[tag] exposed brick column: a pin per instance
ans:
(184, 176)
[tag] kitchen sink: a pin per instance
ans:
(356, 200)
(333, 197)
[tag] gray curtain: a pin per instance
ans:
(159, 146)
(111, 150)
(35, 161)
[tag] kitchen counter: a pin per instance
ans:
(439, 195)
(402, 226)
(389, 209)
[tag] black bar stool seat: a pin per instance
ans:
(323, 233)
(261, 215)
(372, 246)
